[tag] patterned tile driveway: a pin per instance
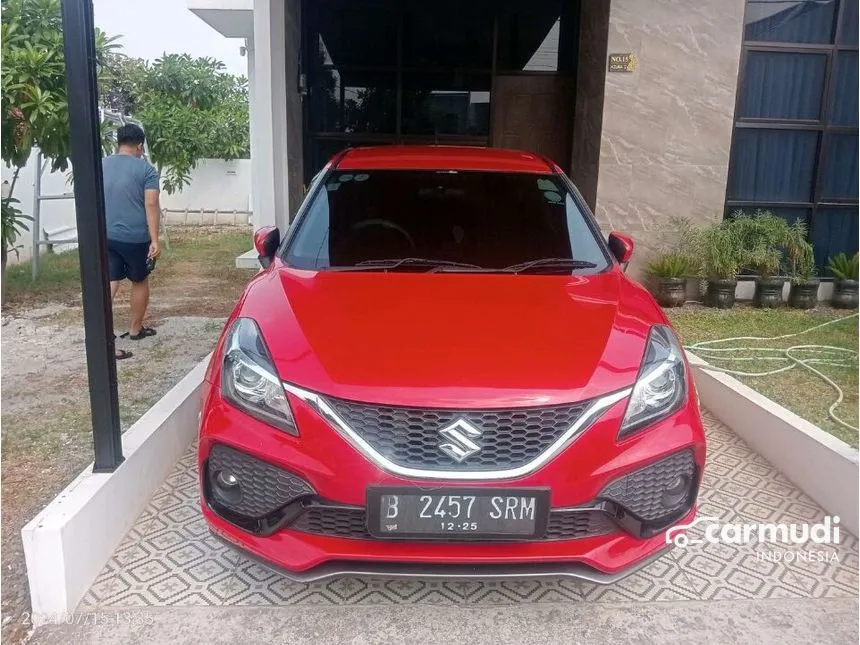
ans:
(169, 558)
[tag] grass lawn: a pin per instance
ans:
(799, 390)
(192, 251)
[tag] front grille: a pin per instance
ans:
(264, 488)
(641, 492)
(410, 437)
(333, 520)
(568, 525)
(339, 521)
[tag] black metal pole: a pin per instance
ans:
(79, 47)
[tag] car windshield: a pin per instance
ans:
(444, 220)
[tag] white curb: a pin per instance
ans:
(819, 464)
(69, 542)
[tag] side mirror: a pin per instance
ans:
(266, 242)
(621, 246)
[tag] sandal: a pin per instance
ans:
(122, 354)
(144, 332)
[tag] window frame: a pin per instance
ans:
(823, 126)
(741, 121)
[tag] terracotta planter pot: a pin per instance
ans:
(670, 292)
(845, 294)
(768, 292)
(721, 293)
(804, 295)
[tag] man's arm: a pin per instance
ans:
(153, 209)
(153, 220)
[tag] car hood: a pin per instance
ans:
(457, 340)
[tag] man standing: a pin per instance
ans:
(133, 214)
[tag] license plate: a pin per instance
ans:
(464, 514)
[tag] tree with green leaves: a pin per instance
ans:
(191, 109)
(34, 108)
(121, 80)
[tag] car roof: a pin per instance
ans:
(442, 158)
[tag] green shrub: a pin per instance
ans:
(842, 267)
(13, 224)
(677, 250)
(673, 264)
(676, 234)
(800, 256)
(763, 237)
(721, 251)
(764, 261)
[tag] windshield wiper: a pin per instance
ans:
(549, 263)
(368, 265)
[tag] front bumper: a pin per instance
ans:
(507, 571)
(339, 475)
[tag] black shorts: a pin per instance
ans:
(128, 260)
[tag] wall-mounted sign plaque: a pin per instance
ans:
(622, 62)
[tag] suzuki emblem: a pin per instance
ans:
(460, 440)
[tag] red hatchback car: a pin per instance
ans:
(442, 369)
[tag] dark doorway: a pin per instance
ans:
(448, 72)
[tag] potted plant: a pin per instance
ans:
(669, 273)
(763, 236)
(844, 270)
(676, 247)
(721, 256)
(804, 284)
(765, 262)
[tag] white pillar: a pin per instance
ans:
(268, 104)
(252, 119)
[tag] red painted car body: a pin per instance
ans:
(449, 341)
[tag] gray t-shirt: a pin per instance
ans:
(126, 178)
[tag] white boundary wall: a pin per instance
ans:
(216, 185)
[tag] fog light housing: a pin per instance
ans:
(249, 492)
(677, 492)
(227, 479)
(225, 486)
(654, 497)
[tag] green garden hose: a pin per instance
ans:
(804, 356)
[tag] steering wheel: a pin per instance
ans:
(384, 223)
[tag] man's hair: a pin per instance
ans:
(130, 135)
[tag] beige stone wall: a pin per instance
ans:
(667, 126)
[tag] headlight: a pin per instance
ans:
(249, 379)
(661, 387)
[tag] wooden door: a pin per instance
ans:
(534, 113)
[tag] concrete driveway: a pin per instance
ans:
(787, 622)
(170, 581)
